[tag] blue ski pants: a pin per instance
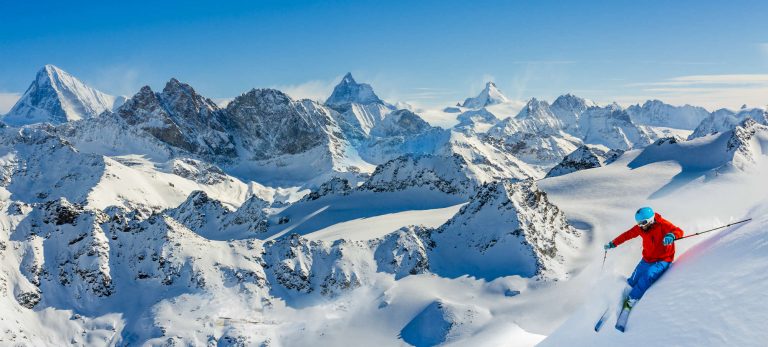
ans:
(644, 275)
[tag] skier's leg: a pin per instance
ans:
(645, 279)
(639, 270)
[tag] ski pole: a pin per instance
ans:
(713, 229)
(605, 255)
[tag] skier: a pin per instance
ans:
(658, 251)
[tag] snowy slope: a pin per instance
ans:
(698, 185)
(57, 97)
(508, 228)
(711, 296)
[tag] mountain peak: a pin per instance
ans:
(173, 82)
(57, 97)
(655, 112)
(50, 74)
(535, 104)
(651, 102)
(50, 69)
(174, 87)
(348, 79)
(490, 95)
(348, 91)
(568, 108)
(569, 98)
(536, 109)
(145, 90)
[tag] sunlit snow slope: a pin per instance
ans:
(714, 294)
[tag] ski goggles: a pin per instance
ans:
(645, 222)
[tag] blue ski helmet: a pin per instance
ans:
(644, 213)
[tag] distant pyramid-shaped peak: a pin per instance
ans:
(57, 97)
(348, 79)
(490, 95)
(348, 91)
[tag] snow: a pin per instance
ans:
(317, 215)
(410, 234)
(442, 322)
(369, 228)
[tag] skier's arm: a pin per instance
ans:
(677, 232)
(627, 235)
(673, 233)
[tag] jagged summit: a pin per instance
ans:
(348, 91)
(585, 157)
(535, 108)
(573, 103)
(180, 117)
(57, 97)
(657, 113)
(567, 108)
(724, 120)
(490, 95)
(348, 78)
(509, 227)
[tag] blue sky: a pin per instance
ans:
(430, 53)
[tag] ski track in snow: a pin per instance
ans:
(300, 222)
(373, 227)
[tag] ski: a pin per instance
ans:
(602, 319)
(621, 322)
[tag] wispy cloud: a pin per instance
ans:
(542, 62)
(7, 100)
(710, 91)
(223, 102)
(317, 90)
(117, 80)
(763, 47)
(426, 93)
(725, 80)
(673, 62)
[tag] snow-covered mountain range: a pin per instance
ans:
(165, 219)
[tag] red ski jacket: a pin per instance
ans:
(653, 245)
